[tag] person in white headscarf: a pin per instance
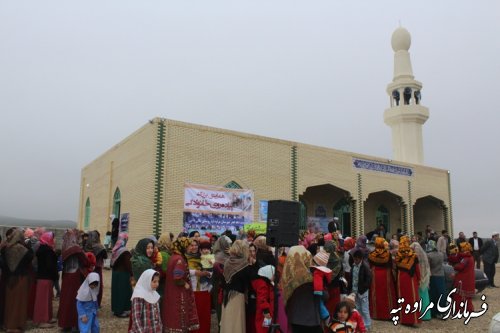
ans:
(145, 307)
(87, 306)
(263, 286)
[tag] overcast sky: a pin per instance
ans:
(78, 77)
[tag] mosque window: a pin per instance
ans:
(418, 96)
(407, 95)
(86, 221)
(117, 202)
(395, 95)
(233, 184)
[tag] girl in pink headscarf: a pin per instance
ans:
(45, 277)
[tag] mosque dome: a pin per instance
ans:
(401, 40)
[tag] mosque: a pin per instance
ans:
(145, 174)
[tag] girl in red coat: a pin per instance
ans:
(263, 286)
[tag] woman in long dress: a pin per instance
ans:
(178, 306)
(17, 261)
(201, 295)
(425, 276)
(237, 278)
(408, 278)
(382, 289)
(464, 279)
(45, 276)
(94, 246)
(335, 264)
(437, 285)
(221, 252)
(74, 273)
(121, 278)
(302, 307)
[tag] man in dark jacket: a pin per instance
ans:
(361, 279)
(476, 243)
(490, 258)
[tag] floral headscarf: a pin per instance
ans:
(119, 248)
(180, 245)
(334, 262)
(296, 270)
(465, 247)
(405, 258)
(380, 255)
(94, 243)
(15, 250)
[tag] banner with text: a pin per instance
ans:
(216, 209)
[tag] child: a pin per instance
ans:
(263, 286)
(322, 276)
(207, 264)
(355, 319)
(145, 307)
(341, 322)
(361, 279)
(86, 304)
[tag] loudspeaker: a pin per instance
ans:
(282, 223)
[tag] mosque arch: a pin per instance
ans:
(429, 210)
(233, 184)
(384, 207)
(86, 220)
(323, 202)
(117, 202)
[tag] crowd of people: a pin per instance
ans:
(326, 283)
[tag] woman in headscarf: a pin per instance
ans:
(141, 258)
(349, 244)
(121, 278)
(302, 308)
(45, 276)
(201, 296)
(75, 264)
(165, 248)
(178, 306)
(335, 264)
(237, 279)
(221, 252)
(17, 261)
(425, 276)
(264, 255)
(408, 279)
(382, 292)
(464, 279)
(94, 246)
(361, 245)
(437, 285)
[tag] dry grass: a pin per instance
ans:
(110, 323)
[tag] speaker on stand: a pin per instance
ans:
(282, 230)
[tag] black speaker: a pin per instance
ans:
(282, 223)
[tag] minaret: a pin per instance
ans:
(406, 115)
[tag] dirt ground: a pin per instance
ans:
(109, 323)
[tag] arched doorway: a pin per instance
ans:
(86, 221)
(323, 202)
(431, 211)
(117, 202)
(385, 208)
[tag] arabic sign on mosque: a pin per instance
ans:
(216, 209)
(382, 167)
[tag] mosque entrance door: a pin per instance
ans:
(342, 210)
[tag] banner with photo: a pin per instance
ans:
(216, 209)
(318, 224)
